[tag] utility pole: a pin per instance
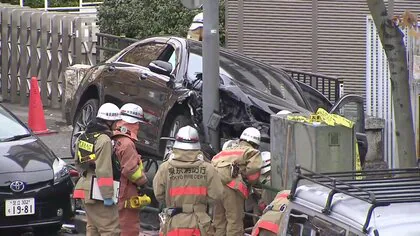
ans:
(211, 73)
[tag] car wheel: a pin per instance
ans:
(177, 123)
(83, 116)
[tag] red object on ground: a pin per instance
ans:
(36, 119)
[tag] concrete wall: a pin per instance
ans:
(72, 77)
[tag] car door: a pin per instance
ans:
(114, 78)
(155, 97)
(351, 106)
(314, 97)
(140, 87)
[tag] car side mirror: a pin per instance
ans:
(161, 67)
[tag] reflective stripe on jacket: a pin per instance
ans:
(269, 223)
(249, 161)
(188, 183)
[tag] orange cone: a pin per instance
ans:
(36, 119)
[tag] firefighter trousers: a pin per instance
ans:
(102, 220)
(229, 213)
(129, 222)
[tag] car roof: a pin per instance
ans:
(353, 211)
(394, 201)
(242, 56)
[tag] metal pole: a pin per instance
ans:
(211, 70)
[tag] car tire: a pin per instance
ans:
(182, 120)
(179, 121)
(83, 116)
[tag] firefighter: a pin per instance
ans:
(187, 184)
(132, 175)
(195, 31)
(269, 223)
(237, 166)
(261, 197)
(93, 159)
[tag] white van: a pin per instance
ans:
(383, 203)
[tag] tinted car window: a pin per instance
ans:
(143, 54)
(170, 55)
(10, 126)
(248, 72)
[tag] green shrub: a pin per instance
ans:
(145, 18)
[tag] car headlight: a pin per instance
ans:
(60, 170)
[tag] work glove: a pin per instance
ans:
(108, 202)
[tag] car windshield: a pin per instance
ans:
(245, 71)
(10, 127)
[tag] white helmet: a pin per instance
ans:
(131, 113)
(197, 21)
(251, 134)
(187, 139)
(284, 112)
(109, 111)
(266, 162)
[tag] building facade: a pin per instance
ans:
(331, 37)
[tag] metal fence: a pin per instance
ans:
(331, 87)
(84, 7)
(108, 45)
(42, 44)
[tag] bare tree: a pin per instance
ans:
(392, 39)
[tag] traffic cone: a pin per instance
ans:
(36, 119)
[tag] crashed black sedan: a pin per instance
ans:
(35, 186)
(164, 76)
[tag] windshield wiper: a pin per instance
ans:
(16, 137)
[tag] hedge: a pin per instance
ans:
(146, 18)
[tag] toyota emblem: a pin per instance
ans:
(17, 186)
